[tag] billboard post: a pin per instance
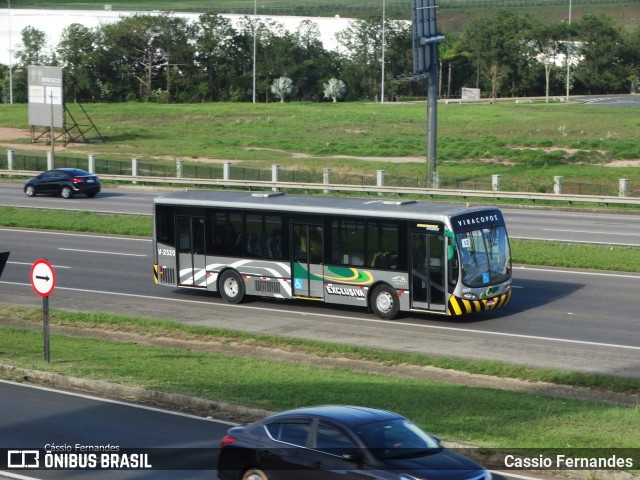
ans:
(425, 62)
(46, 106)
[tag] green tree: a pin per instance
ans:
(177, 52)
(501, 51)
(150, 53)
(215, 44)
(311, 62)
(600, 68)
(76, 53)
(549, 44)
(361, 46)
(31, 50)
(631, 54)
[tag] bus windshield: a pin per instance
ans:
(485, 256)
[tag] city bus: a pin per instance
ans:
(385, 255)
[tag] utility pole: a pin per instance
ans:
(568, 54)
(10, 58)
(383, 48)
(255, 32)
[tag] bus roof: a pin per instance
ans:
(318, 204)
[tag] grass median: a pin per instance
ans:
(478, 416)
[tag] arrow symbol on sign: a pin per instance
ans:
(40, 277)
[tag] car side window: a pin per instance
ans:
(330, 439)
(295, 433)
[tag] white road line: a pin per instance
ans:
(116, 402)
(591, 232)
(70, 234)
(574, 272)
(16, 476)
(29, 264)
(103, 253)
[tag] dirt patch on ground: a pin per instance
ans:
(8, 134)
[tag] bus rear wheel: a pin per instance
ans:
(384, 302)
(231, 287)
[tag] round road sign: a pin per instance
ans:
(43, 278)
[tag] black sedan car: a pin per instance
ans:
(338, 441)
(63, 181)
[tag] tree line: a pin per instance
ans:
(166, 58)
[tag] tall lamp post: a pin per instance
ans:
(568, 54)
(383, 48)
(255, 32)
(10, 58)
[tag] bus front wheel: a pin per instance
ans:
(384, 302)
(231, 287)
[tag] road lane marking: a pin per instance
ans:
(71, 234)
(102, 253)
(27, 263)
(598, 274)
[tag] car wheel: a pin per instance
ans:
(30, 191)
(66, 192)
(254, 474)
(231, 287)
(384, 302)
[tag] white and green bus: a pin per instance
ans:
(388, 256)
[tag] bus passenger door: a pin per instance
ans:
(428, 271)
(191, 259)
(308, 279)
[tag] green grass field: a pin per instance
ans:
(527, 144)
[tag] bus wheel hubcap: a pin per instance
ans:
(384, 302)
(231, 287)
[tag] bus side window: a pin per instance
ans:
(165, 228)
(348, 235)
(383, 244)
(225, 233)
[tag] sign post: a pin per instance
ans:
(425, 62)
(43, 281)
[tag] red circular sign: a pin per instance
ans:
(43, 278)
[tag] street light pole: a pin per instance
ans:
(255, 32)
(383, 48)
(568, 55)
(10, 58)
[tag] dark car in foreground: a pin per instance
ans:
(63, 181)
(339, 441)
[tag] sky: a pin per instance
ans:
(53, 23)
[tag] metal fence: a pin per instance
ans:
(183, 169)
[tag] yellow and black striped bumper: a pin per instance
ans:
(459, 306)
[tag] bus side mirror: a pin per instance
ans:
(450, 252)
(451, 246)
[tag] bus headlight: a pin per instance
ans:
(470, 296)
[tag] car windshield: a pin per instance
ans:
(485, 256)
(396, 438)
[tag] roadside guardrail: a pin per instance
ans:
(369, 189)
